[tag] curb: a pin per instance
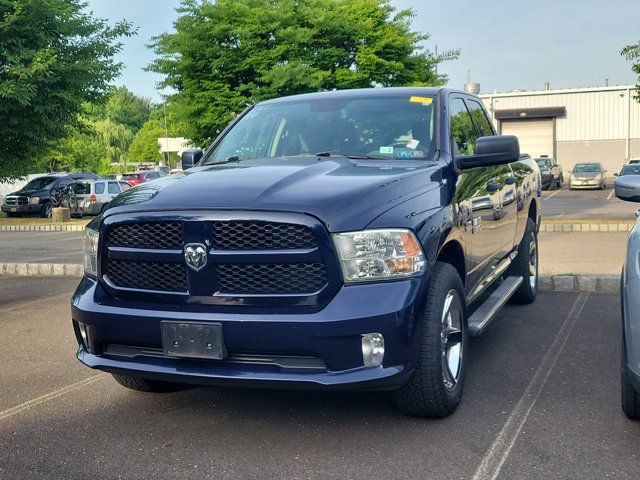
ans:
(41, 269)
(579, 283)
(41, 228)
(586, 227)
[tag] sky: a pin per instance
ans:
(504, 44)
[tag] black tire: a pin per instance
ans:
(523, 266)
(46, 210)
(628, 394)
(559, 183)
(140, 384)
(430, 392)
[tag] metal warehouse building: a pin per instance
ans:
(574, 125)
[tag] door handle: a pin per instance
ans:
(511, 180)
(493, 187)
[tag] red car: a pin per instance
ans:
(142, 176)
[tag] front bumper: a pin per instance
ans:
(25, 208)
(577, 184)
(333, 335)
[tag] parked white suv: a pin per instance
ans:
(93, 195)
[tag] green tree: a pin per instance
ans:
(227, 54)
(53, 57)
(145, 144)
(632, 53)
(124, 107)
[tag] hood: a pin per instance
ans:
(629, 181)
(345, 194)
(28, 193)
(586, 175)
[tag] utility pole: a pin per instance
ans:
(166, 134)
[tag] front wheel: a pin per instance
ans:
(435, 389)
(525, 265)
(46, 210)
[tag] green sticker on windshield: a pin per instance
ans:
(386, 149)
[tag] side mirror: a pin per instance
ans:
(616, 174)
(492, 150)
(191, 157)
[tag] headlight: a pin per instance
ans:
(379, 254)
(90, 259)
(34, 200)
(598, 177)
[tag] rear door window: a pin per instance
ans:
(99, 188)
(113, 188)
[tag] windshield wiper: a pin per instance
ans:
(232, 158)
(353, 156)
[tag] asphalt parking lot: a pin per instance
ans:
(541, 401)
(41, 247)
(565, 204)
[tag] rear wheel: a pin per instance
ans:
(140, 384)
(435, 389)
(525, 265)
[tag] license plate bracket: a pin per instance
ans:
(193, 339)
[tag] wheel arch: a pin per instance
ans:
(452, 252)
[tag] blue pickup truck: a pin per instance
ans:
(339, 240)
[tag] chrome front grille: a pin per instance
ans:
(245, 258)
(261, 236)
(288, 278)
(146, 235)
(159, 276)
(15, 200)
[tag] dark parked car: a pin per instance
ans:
(347, 240)
(136, 178)
(551, 173)
(36, 196)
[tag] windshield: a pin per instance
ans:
(543, 162)
(587, 167)
(631, 170)
(397, 127)
(40, 183)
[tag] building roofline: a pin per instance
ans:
(527, 93)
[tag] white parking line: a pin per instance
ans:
(611, 194)
(50, 396)
(554, 193)
(495, 457)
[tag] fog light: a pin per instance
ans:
(372, 349)
(84, 333)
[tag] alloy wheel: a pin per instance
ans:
(451, 340)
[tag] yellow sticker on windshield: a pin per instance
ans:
(422, 100)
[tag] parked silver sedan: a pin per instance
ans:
(587, 175)
(627, 183)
